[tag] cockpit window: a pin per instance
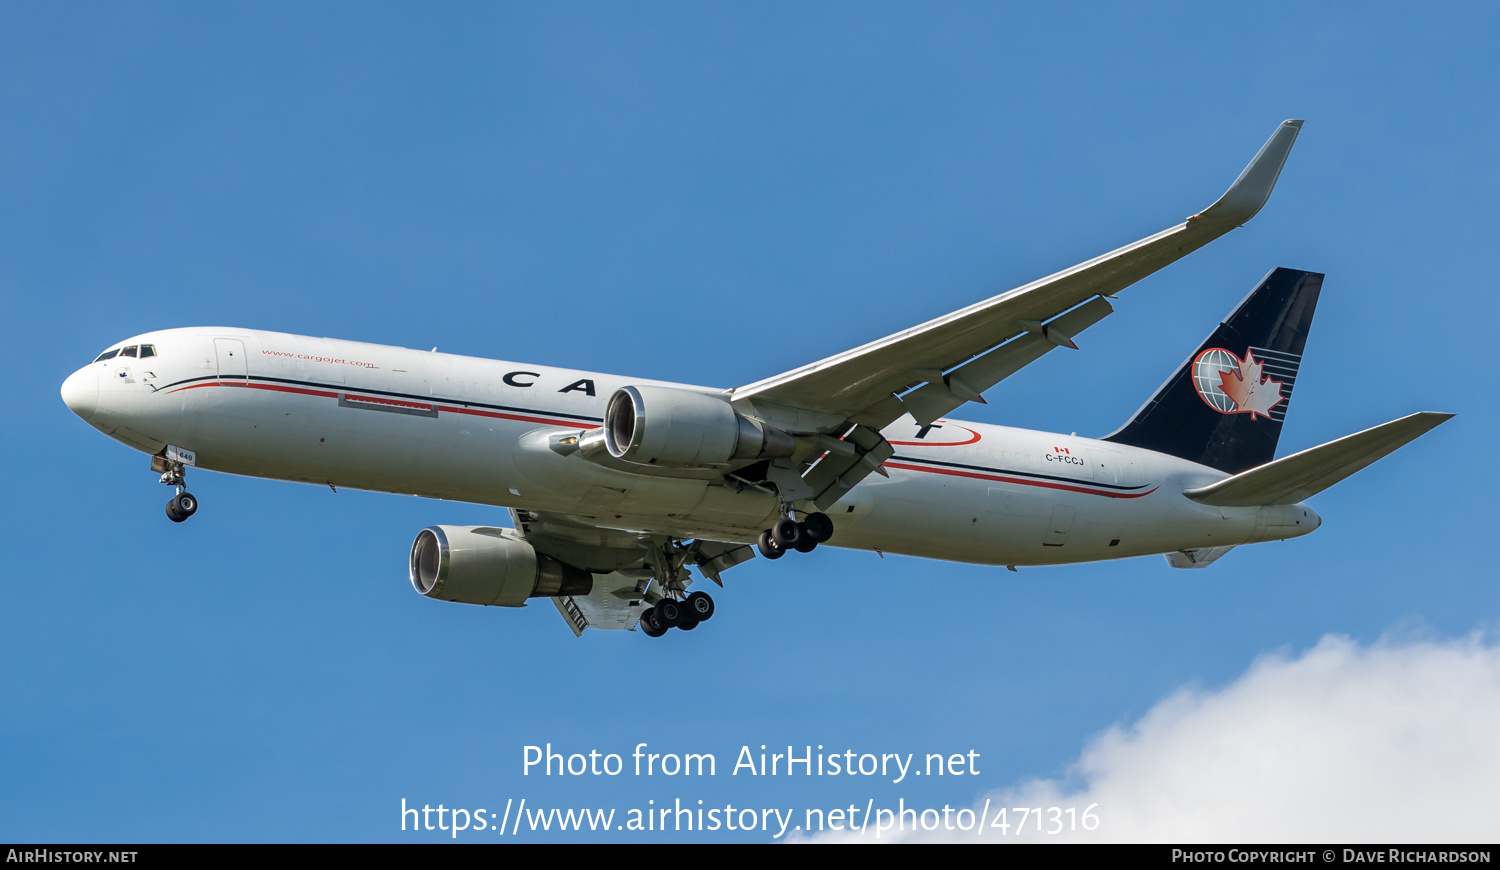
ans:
(129, 351)
(148, 350)
(108, 354)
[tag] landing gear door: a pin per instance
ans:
(231, 354)
(1057, 530)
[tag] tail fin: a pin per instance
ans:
(1224, 407)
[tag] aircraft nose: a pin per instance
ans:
(1312, 517)
(80, 392)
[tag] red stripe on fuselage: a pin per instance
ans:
(1017, 480)
(276, 388)
(974, 437)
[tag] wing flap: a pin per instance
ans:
(938, 398)
(1297, 477)
(838, 472)
(715, 557)
(615, 603)
(1197, 557)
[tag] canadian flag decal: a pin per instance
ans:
(1231, 385)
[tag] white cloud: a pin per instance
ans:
(1393, 742)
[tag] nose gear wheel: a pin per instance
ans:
(174, 474)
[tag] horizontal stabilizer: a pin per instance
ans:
(1293, 478)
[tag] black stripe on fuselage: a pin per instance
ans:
(345, 388)
(987, 469)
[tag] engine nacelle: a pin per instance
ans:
(682, 428)
(483, 565)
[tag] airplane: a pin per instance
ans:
(619, 488)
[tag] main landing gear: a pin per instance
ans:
(174, 474)
(789, 534)
(672, 606)
(673, 613)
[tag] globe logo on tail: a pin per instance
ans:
(1231, 385)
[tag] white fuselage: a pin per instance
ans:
(391, 419)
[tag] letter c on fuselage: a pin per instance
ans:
(510, 378)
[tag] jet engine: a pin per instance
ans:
(483, 565)
(681, 428)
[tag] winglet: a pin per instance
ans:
(1251, 190)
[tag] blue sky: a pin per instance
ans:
(709, 193)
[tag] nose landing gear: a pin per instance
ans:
(184, 504)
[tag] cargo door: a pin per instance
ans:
(1058, 528)
(231, 356)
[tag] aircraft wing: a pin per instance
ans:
(619, 598)
(578, 542)
(1007, 331)
(623, 564)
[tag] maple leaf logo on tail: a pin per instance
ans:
(1251, 389)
